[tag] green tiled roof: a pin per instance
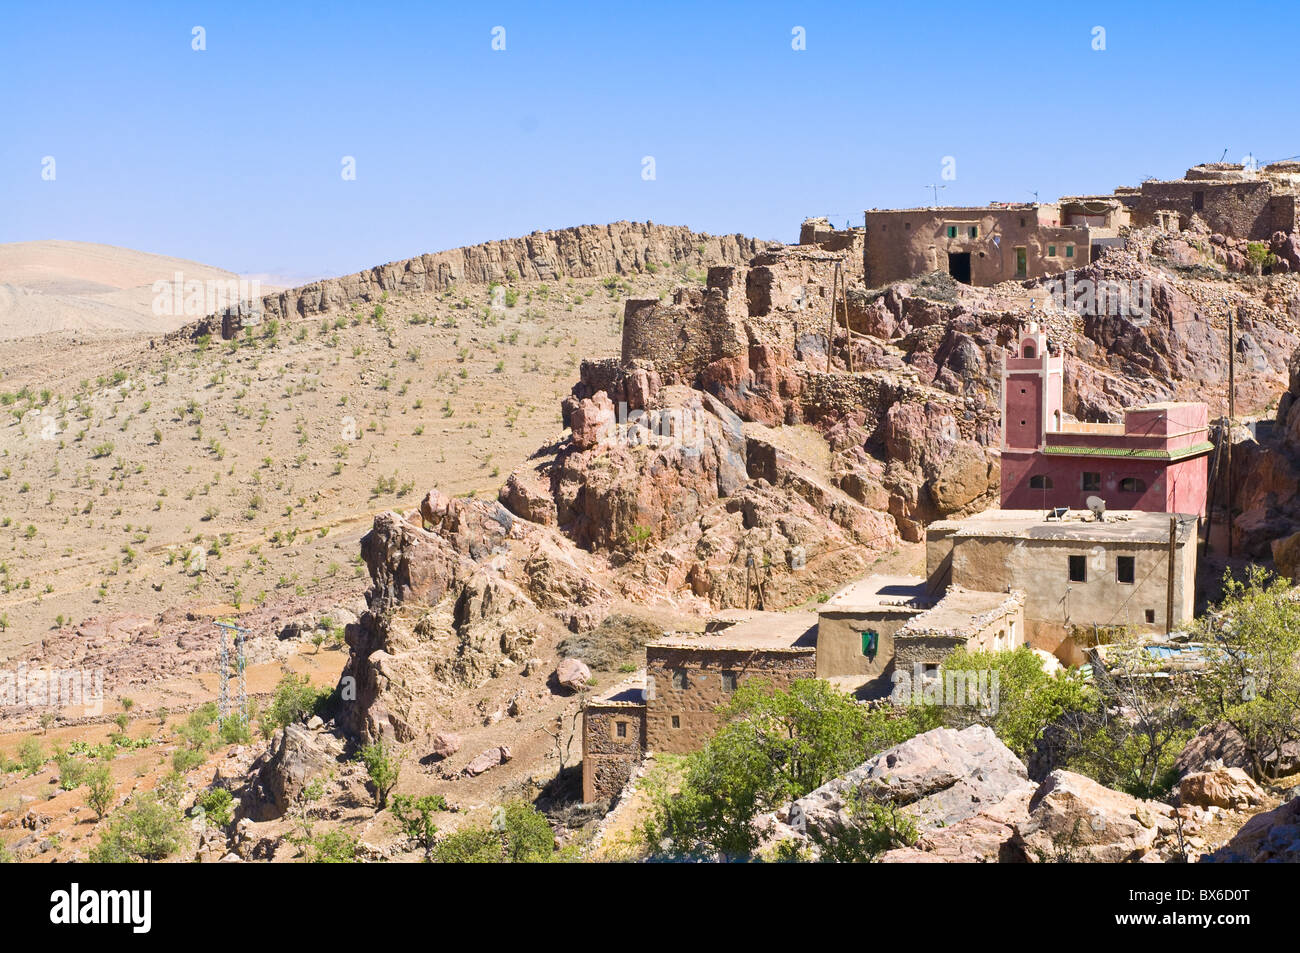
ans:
(1197, 448)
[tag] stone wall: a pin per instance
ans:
(607, 759)
(696, 706)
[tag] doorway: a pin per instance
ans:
(959, 266)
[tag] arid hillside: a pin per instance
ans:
(50, 286)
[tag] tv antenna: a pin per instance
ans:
(935, 188)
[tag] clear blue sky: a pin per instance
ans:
(232, 156)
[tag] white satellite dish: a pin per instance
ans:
(1098, 507)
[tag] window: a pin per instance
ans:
(1069, 251)
(1198, 201)
(1022, 221)
(1151, 617)
(1091, 481)
(1022, 261)
(728, 681)
(1028, 352)
(931, 671)
(1078, 569)
(952, 231)
(974, 231)
(1040, 482)
(1051, 251)
(677, 721)
(679, 678)
(1124, 569)
(620, 729)
(1133, 485)
(870, 643)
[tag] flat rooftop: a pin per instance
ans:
(630, 691)
(962, 612)
(880, 592)
(748, 629)
(1120, 526)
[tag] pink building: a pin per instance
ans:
(1156, 460)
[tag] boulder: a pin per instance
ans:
(1074, 818)
(1220, 786)
(964, 790)
(572, 674)
(444, 745)
(488, 759)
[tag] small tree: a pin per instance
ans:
(1253, 683)
(383, 767)
(101, 791)
(415, 815)
(149, 830)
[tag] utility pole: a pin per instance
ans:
(1232, 411)
(1169, 593)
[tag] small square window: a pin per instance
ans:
(728, 681)
(1078, 569)
(974, 231)
(620, 729)
(952, 231)
(1069, 251)
(1091, 481)
(679, 678)
(907, 226)
(1151, 617)
(677, 721)
(1051, 251)
(1022, 221)
(1124, 569)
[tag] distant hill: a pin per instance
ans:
(79, 286)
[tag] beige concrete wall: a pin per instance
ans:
(696, 706)
(1054, 604)
(839, 641)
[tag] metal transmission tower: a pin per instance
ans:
(225, 673)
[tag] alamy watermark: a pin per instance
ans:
(58, 688)
(1115, 298)
(196, 298)
(961, 688)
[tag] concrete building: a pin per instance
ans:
(987, 245)
(1134, 570)
(1157, 460)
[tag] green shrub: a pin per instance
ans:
(518, 833)
(31, 756)
(332, 847)
(101, 791)
(149, 830)
(294, 699)
(415, 816)
(218, 805)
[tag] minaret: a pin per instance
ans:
(1032, 391)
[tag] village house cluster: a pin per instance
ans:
(1008, 241)
(1051, 570)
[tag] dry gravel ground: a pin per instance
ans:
(138, 475)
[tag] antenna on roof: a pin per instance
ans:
(936, 189)
(1034, 193)
(1225, 154)
(1098, 507)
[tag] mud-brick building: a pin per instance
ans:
(1156, 460)
(675, 705)
(990, 244)
(1230, 198)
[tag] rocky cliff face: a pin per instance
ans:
(585, 251)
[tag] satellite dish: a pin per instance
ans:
(1098, 507)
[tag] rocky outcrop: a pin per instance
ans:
(585, 251)
(1073, 818)
(963, 789)
(1270, 837)
(294, 758)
